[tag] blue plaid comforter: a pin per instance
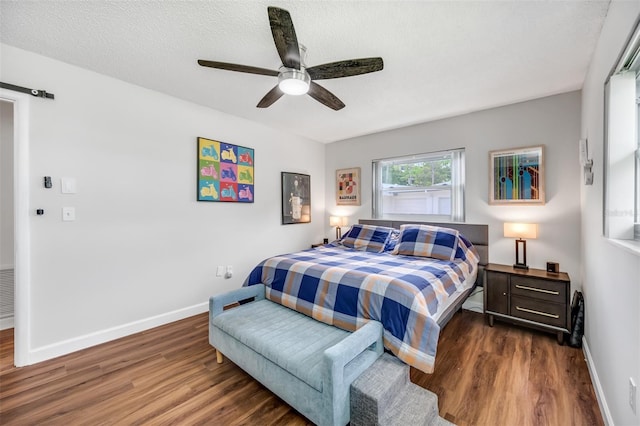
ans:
(346, 288)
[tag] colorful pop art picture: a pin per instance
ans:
(517, 176)
(225, 172)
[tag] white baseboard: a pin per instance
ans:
(82, 342)
(6, 323)
(602, 401)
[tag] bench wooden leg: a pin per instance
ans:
(219, 357)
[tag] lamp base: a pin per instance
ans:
(521, 261)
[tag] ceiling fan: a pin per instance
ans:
(294, 78)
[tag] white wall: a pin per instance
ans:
(6, 184)
(141, 246)
(552, 121)
(611, 273)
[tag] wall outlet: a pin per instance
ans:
(632, 394)
(68, 214)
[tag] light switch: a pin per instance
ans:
(68, 214)
(68, 185)
(219, 271)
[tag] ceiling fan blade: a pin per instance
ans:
(284, 36)
(237, 67)
(346, 68)
(325, 97)
(272, 96)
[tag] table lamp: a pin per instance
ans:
(521, 231)
(338, 221)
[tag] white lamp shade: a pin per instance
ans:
(521, 230)
(337, 221)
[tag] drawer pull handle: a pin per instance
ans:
(531, 311)
(539, 290)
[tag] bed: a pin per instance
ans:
(410, 276)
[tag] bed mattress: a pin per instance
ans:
(346, 288)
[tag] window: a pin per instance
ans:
(637, 183)
(622, 174)
(427, 186)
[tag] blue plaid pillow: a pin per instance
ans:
(367, 238)
(393, 240)
(466, 249)
(427, 241)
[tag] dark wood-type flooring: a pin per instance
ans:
(168, 375)
(509, 375)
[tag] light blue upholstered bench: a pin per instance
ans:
(307, 363)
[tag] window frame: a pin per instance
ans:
(457, 186)
(636, 225)
(621, 215)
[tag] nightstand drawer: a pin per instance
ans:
(539, 311)
(553, 291)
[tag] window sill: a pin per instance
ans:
(632, 246)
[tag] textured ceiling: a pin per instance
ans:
(441, 58)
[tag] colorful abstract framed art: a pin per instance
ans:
(516, 176)
(225, 172)
(348, 187)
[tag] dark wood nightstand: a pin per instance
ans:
(531, 297)
(316, 245)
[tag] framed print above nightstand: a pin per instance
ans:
(348, 187)
(516, 176)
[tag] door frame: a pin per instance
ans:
(22, 228)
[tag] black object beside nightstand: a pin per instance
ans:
(326, 241)
(530, 297)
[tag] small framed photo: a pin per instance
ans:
(296, 198)
(348, 187)
(516, 176)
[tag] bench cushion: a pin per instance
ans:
(289, 339)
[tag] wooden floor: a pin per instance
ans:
(508, 375)
(484, 376)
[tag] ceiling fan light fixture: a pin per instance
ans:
(294, 78)
(294, 82)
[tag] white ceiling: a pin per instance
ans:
(441, 58)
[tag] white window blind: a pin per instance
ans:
(423, 186)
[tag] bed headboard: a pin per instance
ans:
(477, 234)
